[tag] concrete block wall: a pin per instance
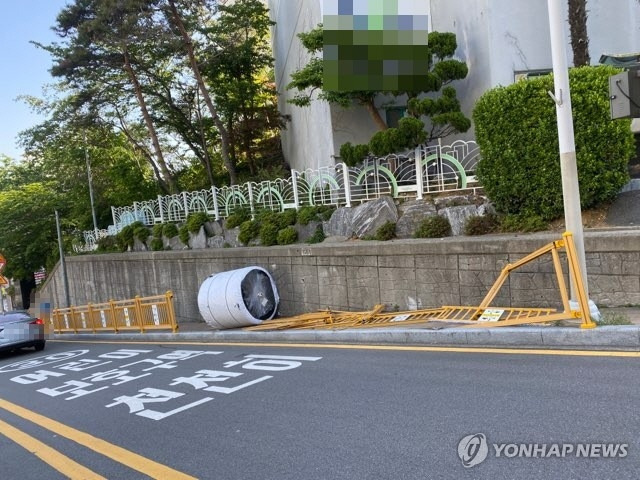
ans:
(403, 274)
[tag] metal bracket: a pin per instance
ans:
(558, 101)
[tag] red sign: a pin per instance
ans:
(4, 281)
(3, 262)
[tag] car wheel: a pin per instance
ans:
(39, 346)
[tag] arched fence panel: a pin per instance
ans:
(425, 170)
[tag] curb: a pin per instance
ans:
(610, 337)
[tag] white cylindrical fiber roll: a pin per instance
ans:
(238, 298)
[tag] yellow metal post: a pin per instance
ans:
(578, 279)
(138, 307)
(170, 311)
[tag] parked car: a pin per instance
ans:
(19, 329)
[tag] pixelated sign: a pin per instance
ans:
(375, 45)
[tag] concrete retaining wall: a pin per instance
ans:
(404, 274)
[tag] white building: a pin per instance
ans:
(499, 40)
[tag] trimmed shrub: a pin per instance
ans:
(157, 230)
(108, 244)
(287, 236)
(481, 224)
(248, 231)
(306, 214)
(517, 133)
(318, 236)
(287, 218)
(238, 216)
(183, 233)
(142, 233)
(125, 237)
(169, 230)
(310, 213)
(387, 231)
(156, 244)
(268, 234)
(196, 220)
(435, 226)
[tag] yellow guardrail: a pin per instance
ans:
(139, 313)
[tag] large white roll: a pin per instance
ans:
(238, 298)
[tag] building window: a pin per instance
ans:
(394, 114)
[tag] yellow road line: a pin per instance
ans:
(114, 452)
(60, 462)
(405, 348)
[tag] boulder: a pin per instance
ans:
(198, 240)
(305, 232)
(369, 217)
(213, 228)
(412, 214)
(216, 241)
(231, 237)
(457, 216)
(340, 223)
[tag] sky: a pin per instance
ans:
(24, 69)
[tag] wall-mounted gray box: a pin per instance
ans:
(624, 94)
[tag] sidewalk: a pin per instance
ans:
(618, 337)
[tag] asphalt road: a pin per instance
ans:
(181, 411)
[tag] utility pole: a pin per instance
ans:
(90, 177)
(568, 164)
(63, 265)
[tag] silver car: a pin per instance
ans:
(19, 329)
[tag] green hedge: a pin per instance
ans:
(517, 133)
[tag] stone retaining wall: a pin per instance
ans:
(355, 275)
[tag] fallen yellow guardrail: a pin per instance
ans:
(483, 315)
(140, 313)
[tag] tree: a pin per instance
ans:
(578, 32)
(105, 40)
(442, 112)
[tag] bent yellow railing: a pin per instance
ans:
(137, 314)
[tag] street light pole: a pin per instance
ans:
(63, 265)
(90, 177)
(568, 164)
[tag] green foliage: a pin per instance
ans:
(125, 237)
(435, 226)
(481, 224)
(249, 230)
(108, 244)
(169, 230)
(352, 155)
(28, 237)
(443, 112)
(183, 233)
(238, 216)
(157, 230)
(316, 213)
(517, 133)
(522, 223)
(318, 236)
(386, 232)
(196, 220)
(141, 233)
(409, 134)
(268, 234)
(287, 218)
(157, 244)
(287, 236)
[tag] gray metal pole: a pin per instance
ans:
(568, 165)
(89, 176)
(65, 279)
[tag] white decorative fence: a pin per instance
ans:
(426, 170)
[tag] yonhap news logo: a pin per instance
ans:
(474, 449)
